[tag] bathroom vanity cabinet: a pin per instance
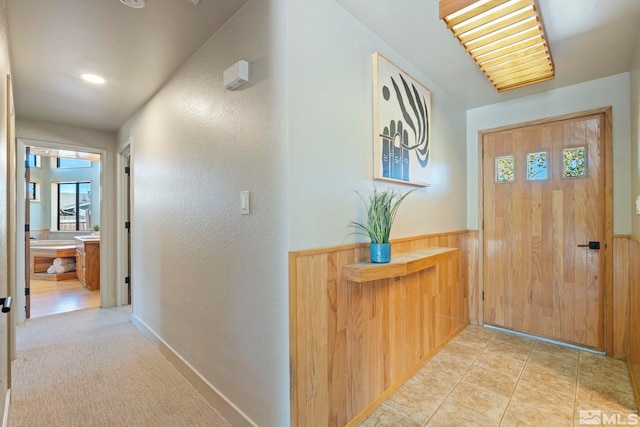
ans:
(88, 261)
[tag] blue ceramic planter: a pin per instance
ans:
(380, 252)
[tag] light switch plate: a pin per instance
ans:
(245, 206)
(638, 205)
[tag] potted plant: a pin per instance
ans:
(382, 207)
(96, 229)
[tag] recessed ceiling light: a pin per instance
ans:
(92, 78)
(138, 4)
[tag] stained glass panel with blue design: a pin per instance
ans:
(537, 166)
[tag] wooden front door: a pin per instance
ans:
(544, 234)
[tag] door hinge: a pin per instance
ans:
(482, 295)
(127, 225)
(27, 292)
(126, 280)
(26, 228)
(127, 170)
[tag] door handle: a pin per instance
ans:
(591, 245)
(6, 304)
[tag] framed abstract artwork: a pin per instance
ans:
(402, 125)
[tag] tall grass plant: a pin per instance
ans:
(382, 206)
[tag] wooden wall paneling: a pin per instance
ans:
(311, 318)
(633, 361)
(353, 344)
(337, 299)
(608, 229)
(294, 387)
(470, 262)
(621, 277)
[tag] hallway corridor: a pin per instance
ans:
(94, 368)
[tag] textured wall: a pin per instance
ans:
(609, 91)
(210, 282)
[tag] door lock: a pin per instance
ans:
(591, 245)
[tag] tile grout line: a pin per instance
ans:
(390, 408)
(459, 380)
(575, 394)
(446, 396)
(517, 382)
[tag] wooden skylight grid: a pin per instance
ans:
(504, 37)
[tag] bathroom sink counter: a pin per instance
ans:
(88, 260)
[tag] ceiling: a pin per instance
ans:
(137, 50)
(589, 39)
(52, 42)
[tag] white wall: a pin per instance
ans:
(208, 281)
(331, 133)
(212, 283)
(609, 91)
(635, 138)
(54, 135)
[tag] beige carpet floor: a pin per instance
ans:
(94, 368)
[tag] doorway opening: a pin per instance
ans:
(62, 193)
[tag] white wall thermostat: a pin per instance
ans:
(236, 75)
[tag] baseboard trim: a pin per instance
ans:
(224, 406)
(7, 402)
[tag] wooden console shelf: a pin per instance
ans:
(401, 264)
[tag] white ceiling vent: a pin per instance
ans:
(138, 4)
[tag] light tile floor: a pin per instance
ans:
(485, 377)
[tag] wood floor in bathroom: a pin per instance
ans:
(51, 297)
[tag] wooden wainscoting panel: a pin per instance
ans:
(620, 315)
(471, 248)
(633, 359)
(353, 344)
